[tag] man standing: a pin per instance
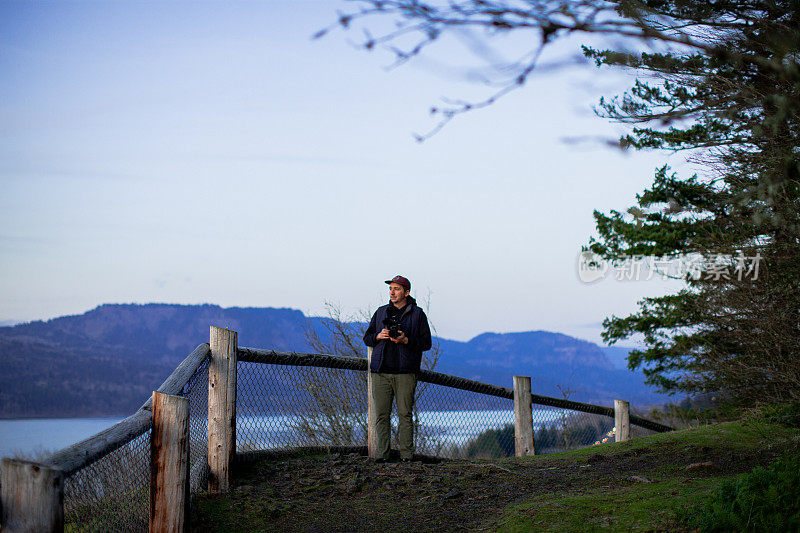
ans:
(398, 334)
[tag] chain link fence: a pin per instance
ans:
(196, 390)
(287, 400)
(113, 492)
(449, 420)
(280, 406)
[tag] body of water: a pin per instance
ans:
(31, 437)
(34, 436)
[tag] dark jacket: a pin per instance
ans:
(414, 324)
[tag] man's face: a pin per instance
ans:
(397, 293)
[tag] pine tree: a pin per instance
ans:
(732, 330)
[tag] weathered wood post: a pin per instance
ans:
(622, 420)
(169, 464)
(372, 443)
(523, 417)
(32, 497)
(221, 409)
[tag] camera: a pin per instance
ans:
(392, 323)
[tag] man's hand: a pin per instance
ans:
(401, 338)
(384, 334)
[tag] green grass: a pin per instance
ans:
(625, 508)
(675, 494)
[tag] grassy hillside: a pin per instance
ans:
(678, 471)
(648, 484)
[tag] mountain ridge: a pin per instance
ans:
(106, 361)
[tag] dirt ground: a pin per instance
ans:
(348, 492)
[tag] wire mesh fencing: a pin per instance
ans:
(196, 390)
(294, 403)
(449, 422)
(280, 406)
(284, 406)
(113, 492)
(562, 429)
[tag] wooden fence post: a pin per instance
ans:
(221, 409)
(372, 443)
(169, 464)
(622, 420)
(32, 497)
(523, 417)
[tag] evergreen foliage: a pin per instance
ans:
(492, 443)
(766, 499)
(787, 414)
(733, 329)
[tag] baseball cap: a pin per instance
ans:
(400, 280)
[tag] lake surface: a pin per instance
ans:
(29, 436)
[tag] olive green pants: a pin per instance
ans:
(400, 387)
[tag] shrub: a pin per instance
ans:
(492, 443)
(766, 499)
(787, 414)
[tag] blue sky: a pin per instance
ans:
(214, 153)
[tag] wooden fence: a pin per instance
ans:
(32, 494)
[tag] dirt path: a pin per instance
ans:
(347, 492)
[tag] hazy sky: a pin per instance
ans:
(213, 153)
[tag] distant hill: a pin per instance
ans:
(618, 355)
(107, 361)
(558, 364)
(166, 332)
